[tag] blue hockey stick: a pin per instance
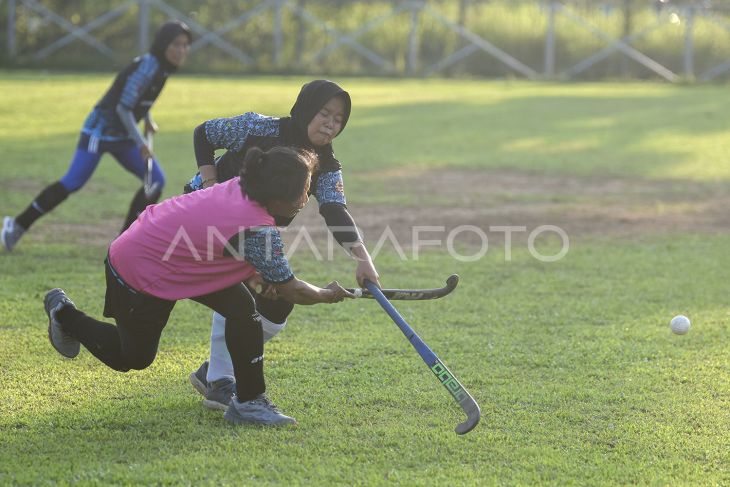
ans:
(444, 375)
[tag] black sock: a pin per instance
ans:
(99, 338)
(46, 201)
(139, 203)
(245, 339)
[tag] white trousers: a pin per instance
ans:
(220, 365)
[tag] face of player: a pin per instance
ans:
(327, 123)
(289, 209)
(177, 50)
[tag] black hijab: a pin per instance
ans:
(165, 35)
(312, 97)
(293, 131)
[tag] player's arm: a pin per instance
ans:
(330, 195)
(301, 292)
(135, 85)
(204, 156)
(226, 133)
(150, 127)
(264, 249)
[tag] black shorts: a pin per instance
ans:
(128, 306)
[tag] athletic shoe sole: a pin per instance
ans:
(214, 405)
(50, 336)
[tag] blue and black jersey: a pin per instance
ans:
(238, 134)
(135, 88)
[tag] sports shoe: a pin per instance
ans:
(64, 343)
(11, 233)
(199, 378)
(259, 410)
(218, 393)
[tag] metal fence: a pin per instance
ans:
(295, 36)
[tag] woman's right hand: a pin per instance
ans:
(146, 152)
(336, 293)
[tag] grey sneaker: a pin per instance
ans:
(199, 378)
(258, 411)
(11, 233)
(64, 343)
(218, 394)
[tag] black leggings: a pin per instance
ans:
(140, 318)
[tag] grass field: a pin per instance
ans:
(579, 378)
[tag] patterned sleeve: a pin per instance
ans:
(330, 188)
(231, 133)
(138, 81)
(264, 250)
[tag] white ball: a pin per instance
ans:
(680, 324)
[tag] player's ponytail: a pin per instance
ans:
(253, 163)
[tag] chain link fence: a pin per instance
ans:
(664, 39)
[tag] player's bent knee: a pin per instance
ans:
(71, 186)
(139, 362)
(160, 181)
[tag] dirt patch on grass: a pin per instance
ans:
(617, 208)
(486, 200)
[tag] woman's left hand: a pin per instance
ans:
(150, 127)
(366, 270)
(259, 286)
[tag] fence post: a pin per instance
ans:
(550, 41)
(278, 33)
(412, 62)
(144, 26)
(11, 29)
(299, 54)
(689, 68)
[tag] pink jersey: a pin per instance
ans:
(175, 249)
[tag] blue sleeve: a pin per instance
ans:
(264, 250)
(138, 81)
(330, 188)
(231, 133)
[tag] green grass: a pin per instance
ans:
(579, 378)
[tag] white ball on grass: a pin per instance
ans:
(680, 324)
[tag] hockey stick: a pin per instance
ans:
(149, 187)
(444, 375)
(412, 294)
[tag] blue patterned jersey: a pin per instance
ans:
(329, 188)
(233, 133)
(136, 88)
(264, 249)
(236, 134)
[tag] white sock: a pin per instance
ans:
(271, 328)
(220, 364)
